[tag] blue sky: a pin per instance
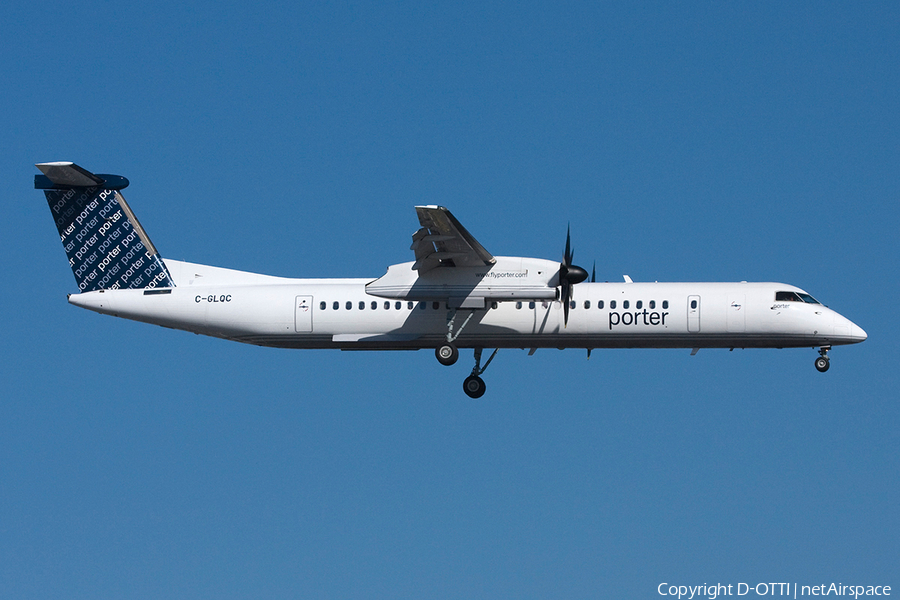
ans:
(698, 142)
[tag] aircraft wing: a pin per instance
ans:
(442, 241)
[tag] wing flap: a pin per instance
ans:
(442, 241)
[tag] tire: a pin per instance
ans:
(474, 386)
(822, 364)
(447, 354)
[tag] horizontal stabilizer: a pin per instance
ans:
(67, 175)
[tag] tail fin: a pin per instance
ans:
(107, 247)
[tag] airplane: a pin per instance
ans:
(454, 294)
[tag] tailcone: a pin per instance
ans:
(98, 301)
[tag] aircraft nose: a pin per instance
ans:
(846, 331)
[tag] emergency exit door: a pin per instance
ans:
(303, 314)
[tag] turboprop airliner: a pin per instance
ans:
(454, 294)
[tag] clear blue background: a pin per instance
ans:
(701, 141)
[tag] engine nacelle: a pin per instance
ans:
(509, 278)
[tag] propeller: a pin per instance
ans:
(569, 275)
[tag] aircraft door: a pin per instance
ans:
(736, 319)
(693, 314)
(303, 314)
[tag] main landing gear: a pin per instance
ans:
(823, 362)
(474, 385)
(447, 354)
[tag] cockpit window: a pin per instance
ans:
(795, 297)
(787, 297)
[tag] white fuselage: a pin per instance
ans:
(339, 313)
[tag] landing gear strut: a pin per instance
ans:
(447, 353)
(823, 362)
(474, 386)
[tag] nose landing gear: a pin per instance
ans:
(823, 362)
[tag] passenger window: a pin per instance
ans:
(600, 304)
(665, 304)
(362, 305)
(374, 305)
(495, 305)
(625, 304)
(531, 305)
(572, 304)
(409, 306)
(398, 305)
(693, 304)
(336, 305)
(422, 306)
(612, 304)
(435, 305)
(639, 304)
(387, 305)
(587, 303)
(518, 305)
(349, 305)
(322, 305)
(652, 304)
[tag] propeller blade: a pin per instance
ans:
(594, 272)
(569, 275)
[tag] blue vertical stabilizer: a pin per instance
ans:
(106, 245)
